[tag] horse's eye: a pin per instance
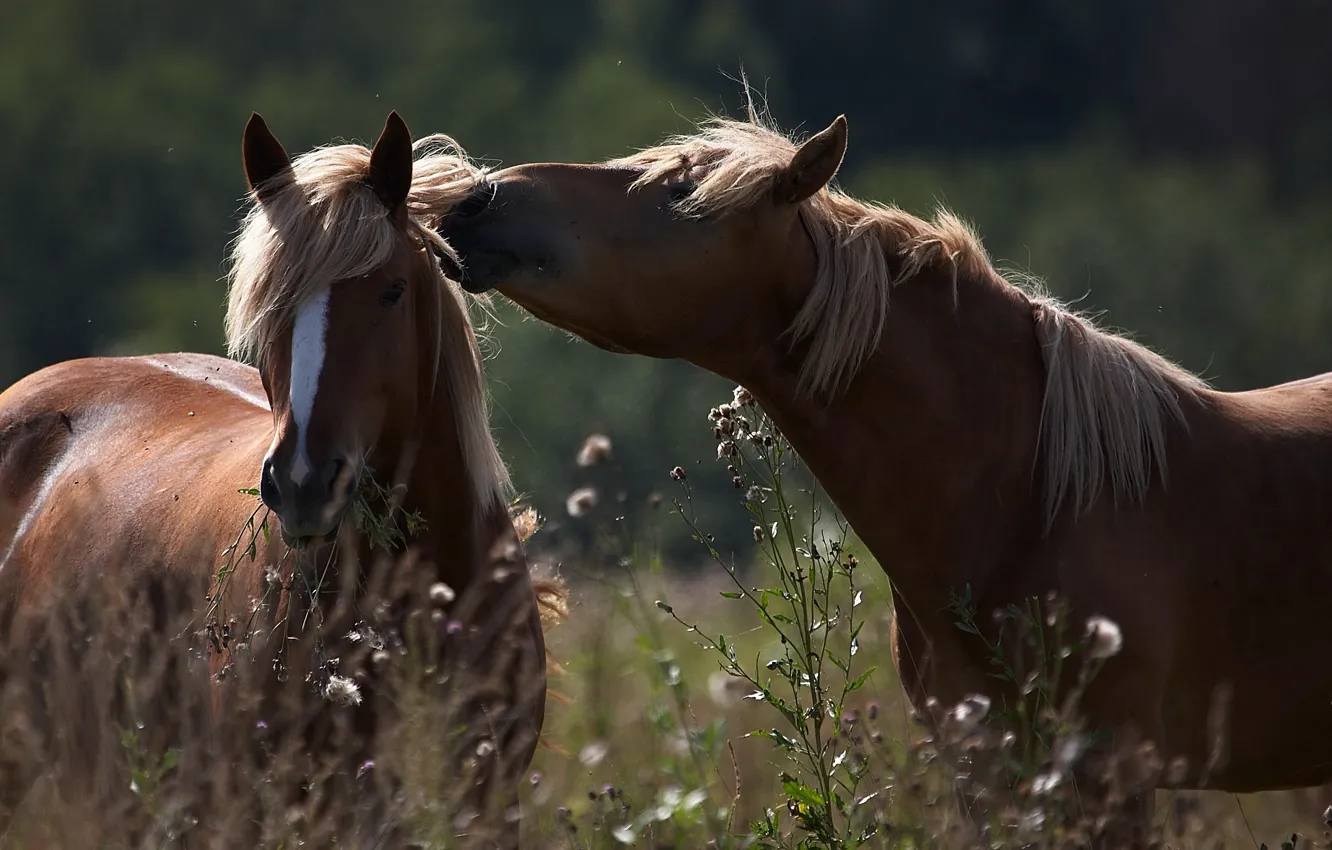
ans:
(680, 190)
(476, 202)
(393, 294)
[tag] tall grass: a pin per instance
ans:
(717, 704)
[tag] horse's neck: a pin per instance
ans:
(459, 528)
(929, 452)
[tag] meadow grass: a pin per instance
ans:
(708, 705)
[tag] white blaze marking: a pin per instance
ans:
(307, 361)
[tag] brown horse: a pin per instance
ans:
(972, 430)
(366, 363)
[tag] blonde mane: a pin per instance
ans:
(1108, 401)
(320, 222)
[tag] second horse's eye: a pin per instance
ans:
(393, 294)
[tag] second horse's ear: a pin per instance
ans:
(813, 165)
(263, 157)
(391, 163)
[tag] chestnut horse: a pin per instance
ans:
(366, 364)
(972, 429)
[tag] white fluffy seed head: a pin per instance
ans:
(1104, 639)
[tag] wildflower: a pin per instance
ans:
(678, 474)
(1104, 638)
(365, 768)
(625, 833)
(535, 778)
(754, 495)
(596, 448)
(722, 688)
(1032, 821)
(581, 501)
(970, 711)
(592, 753)
(737, 482)
(1067, 751)
(441, 593)
(742, 397)
(758, 534)
(726, 449)
(714, 414)
(342, 690)
(725, 427)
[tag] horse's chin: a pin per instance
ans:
(539, 312)
(309, 541)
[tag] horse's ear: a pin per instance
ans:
(263, 156)
(391, 162)
(814, 164)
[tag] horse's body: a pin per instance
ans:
(150, 464)
(145, 456)
(974, 432)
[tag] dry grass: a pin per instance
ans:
(648, 738)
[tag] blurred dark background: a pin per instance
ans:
(1167, 162)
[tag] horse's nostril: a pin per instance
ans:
(268, 488)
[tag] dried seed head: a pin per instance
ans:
(581, 501)
(343, 691)
(970, 711)
(1103, 638)
(678, 474)
(742, 397)
(441, 593)
(596, 448)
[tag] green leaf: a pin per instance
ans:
(731, 594)
(802, 793)
(860, 680)
(170, 759)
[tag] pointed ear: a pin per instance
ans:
(813, 165)
(391, 162)
(263, 156)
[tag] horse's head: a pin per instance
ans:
(342, 310)
(669, 252)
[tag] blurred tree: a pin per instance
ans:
(1167, 162)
